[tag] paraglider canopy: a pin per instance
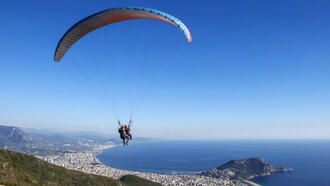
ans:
(110, 16)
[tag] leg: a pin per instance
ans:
(127, 139)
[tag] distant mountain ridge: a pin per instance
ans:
(47, 143)
(244, 169)
(42, 142)
(13, 135)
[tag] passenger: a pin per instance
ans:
(128, 131)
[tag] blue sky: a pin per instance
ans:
(254, 69)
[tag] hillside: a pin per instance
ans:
(137, 181)
(21, 169)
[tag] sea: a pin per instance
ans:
(310, 159)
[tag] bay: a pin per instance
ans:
(310, 159)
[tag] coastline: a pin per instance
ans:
(88, 163)
(100, 150)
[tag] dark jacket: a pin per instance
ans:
(122, 133)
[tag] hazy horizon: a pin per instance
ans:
(114, 134)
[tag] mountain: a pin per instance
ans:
(21, 169)
(45, 132)
(40, 142)
(244, 169)
(13, 135)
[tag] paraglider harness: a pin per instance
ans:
(124, 132)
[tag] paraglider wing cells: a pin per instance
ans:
(110, 16)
